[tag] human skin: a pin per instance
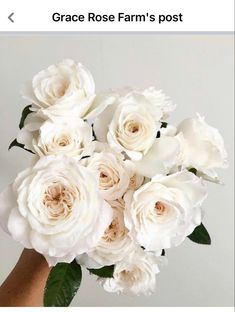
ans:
(25, 284)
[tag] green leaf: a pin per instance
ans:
(164, 124)
(15, 143)
(158, 135)
(93, 133)
(193, 170)
(106, 271)
(200, 235)
(24, 114)
(62, 284)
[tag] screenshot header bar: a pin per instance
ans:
(106, 15)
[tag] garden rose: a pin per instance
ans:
(55, 208)
(135, 274)
(132, 125)
(63, 90)
(113, 174)
(202, 147)
(162, 212)
(158, 99)
(114, 245)
(72, 138)
(155, 97)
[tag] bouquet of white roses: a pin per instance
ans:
(112, 184)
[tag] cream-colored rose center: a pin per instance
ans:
(63, 140)
(135, 133)
(60, 91)
(60, 88)
(58, 200)
(108, 177)
(161, 208)
(114, 231)
(132, 126)
(130, 277)
(111, 232)
(125, 275)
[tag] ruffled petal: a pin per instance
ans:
(7, 203)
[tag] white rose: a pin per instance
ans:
(202, 147)
(55, 208)
(115, 243)
(135, 274)
(58, 137)
(113, 174)
(155, 97)
(65, 89)
(158, 99)
(130, 125)
(164, 211)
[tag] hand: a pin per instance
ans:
(24, 287)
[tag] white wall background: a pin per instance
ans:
(197, 72)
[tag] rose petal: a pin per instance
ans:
(161, 157)
(99, 104)
(19, 228)
(7, 203)
(102, 122)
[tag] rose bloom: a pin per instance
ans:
(64, 89)
(113, 175)
(130, 125)
(134, 275)
(58, 137)
(202, 147)
(155, 97)
(160, 100)
(164, 211)
(55, 208)
(114, 245)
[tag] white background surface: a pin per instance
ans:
(197, 72)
